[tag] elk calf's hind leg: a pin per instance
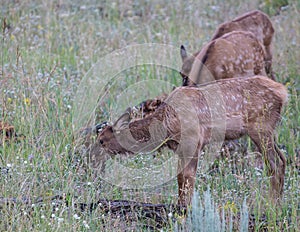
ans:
(274, 160)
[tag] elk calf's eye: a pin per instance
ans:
(101, 141)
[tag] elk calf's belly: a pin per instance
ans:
(235, 128)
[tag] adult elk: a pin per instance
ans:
(255, 22)
(235, 54)
(188, 118)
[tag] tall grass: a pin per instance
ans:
(47, 48)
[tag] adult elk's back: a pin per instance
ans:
(185, 121)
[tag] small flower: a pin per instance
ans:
(75, 216)
(9, 100)
(9, 165)
(53, 215)
(60, 219)
(27, 101)
(170, 215)
(86, 225)
(43, 217)
(230, 206)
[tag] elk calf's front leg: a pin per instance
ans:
(186, 180)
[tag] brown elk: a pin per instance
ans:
(240, 61)
(235, 54)
(188, 118)
(255, 22)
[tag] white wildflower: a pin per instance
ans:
(75, 216)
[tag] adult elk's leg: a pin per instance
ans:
(274, 160)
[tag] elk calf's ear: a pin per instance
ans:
(183, 53)
(123, 121)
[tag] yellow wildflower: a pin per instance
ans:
(27, 101)
(230, 206)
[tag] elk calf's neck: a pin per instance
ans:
(190, 117)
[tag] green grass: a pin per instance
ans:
(47, 48)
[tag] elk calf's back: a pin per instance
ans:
(236, 54)
(256, 22)
(186, 120)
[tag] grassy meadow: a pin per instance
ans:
(49, 47)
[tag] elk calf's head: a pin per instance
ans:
(187, 63)
(107, 138)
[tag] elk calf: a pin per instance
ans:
(190, 117)
(255, 22)
(236, 54)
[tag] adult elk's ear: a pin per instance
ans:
(183, 53)
(123, 121)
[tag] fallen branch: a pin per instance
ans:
(129, 210)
